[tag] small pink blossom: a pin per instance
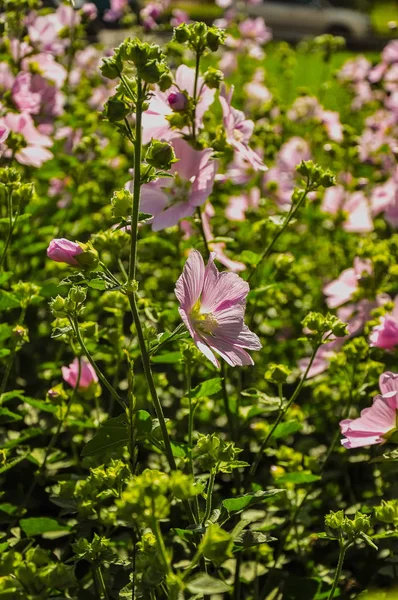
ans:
(212, 306)
(89, 11)
(255, 29)
(64, 251)
(342, 289)
(177, 101)
(170, 200)
(36, 150)
(87, 374)
(238, 205)
(355, 206)
(377, 423)
(154, 121)
(385, 335)
(178, 17)
(239, 130)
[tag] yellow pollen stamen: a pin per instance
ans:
(203, 322)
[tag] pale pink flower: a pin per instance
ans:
(228, 63)
(385, 335)
(64, 251)
(255, 29)
(239, 130)
(171, 199)
(333, 126)
(45, 65)
(377, 423)
(355, 206)
(87, 374)
(238, 205)
(6, 77)
(342, 289)
(44, 30)
(36, 150)
(218, 247)
(33, 94)
(390, 52)
(385, 199)
(154, 122)
(89, 11)
(3, 136)
(178, 17)
(212, 306)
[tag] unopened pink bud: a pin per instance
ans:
(63, 250)
(177, 101)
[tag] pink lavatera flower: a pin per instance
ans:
(341, 290)
(377, 423)
(385, 199)
(355, 207)
(154, 121)
(239, 130)
(87, 374)
(212, 306)
(64, 251)
(171, 199)
(385, 335)
(36, 152)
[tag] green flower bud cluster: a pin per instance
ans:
(316, 175)
(199, 36)
(387, 512)
(63, 307)
(116, 108)
(160, 155)
(319, 325)
(148, 496)
(10, 177)
(277, 373)
(329, 44)
(213, 78)
(349, 530)
(213, 453)
(95, 552)
(26, 292)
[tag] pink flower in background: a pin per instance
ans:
(24, 98)
(44, 64)
(238, 205)
(44, 30)
(228, 63)
(87, 374)
(3, 136)
(212, 306)
(333, 126)
(154, 122)
(89, 11)
(33, 94)
(6, 77)
(390, 52)
(377, 423)
(170, 200)
(385, 335)
(292, 153)
(385, 199)
(355, 206)
(218, 247)
(342, 289)
(255, 29)
(178, 16)
(36, 150)
(239, 130)
(64, 251)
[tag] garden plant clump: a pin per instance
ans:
(199, 311)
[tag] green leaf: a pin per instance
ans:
(4, 352)
(235, 505)
(97, 284)
(8, 300)
(15, 461)
(39, 525)
(28, 434)
(59, 331)
(7, 416)
(299, 477)
(204, 584)
(143, 424)
(40, 404)
(250, 258)
(112, 434)
(249, 538)
(207, 388)
(283, 430)
(185, 534)
(168, 357)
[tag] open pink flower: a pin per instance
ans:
(154, 121)
(65, 251)
(255, 29)
(377, 423)
(212, 306)
(385, 199)
(87, 374)
(239, 130)
(385, 335)
(36, 150)
(355, 206)
(342, 289)
(170, 200)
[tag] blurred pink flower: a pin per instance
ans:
(178, 16)
(64, 251)
(377, 423)
(33, 94)
(385, 199)
(256, 30)
(239, 130)
(6, 77)
(87, 375)
(385, 335)
(3, 136)
(355, 206)
(212, 306)
(154, 122)
(238, 205)
(44, 30)
(218, 247)
(36, 150)
(342, 289)
(390, 52)
(171, 199)
(89, 11)
(45, 65)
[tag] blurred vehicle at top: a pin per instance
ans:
(294, 19)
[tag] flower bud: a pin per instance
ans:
(63, 250)
(57, 307)
(181, 33)
(87, 374)
(177, 101)
(151, 71)
(214, 38)
(213, 78)
(160, 155)
(110, 68)
(88, 259)
(115, 109)
(277, 373)
(77, 294)
(166, 81)
(122, 203)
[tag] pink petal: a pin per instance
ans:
(190, 283)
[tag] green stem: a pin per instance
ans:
(75, 324)
(136, 183)
(195, 92)
(159, 538)
(101, 581)
(225, 396)
(209, 497)
(282, 413)
(11, 228)
(201, 228)
(192, 408)
(291, 214)
(343, 550)
(176, 331)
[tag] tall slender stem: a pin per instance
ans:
(225, 396)
(137, 182)
(101, 581)
(101, 376)
(343, 550)
(192, 408)
(282, 413)
(159, 538)
(12, 224)
(291, 214)
(209, 496)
